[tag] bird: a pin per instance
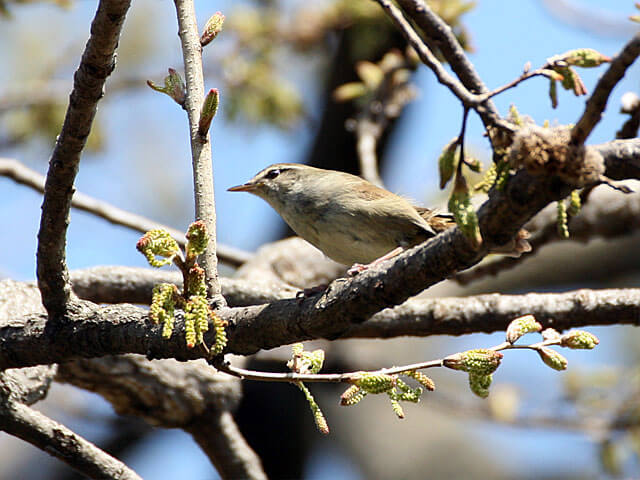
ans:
(349, 219)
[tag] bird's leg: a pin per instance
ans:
(358, 267)
(310, 291)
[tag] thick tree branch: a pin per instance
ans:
(57, 440)
(607, 214)
(621, 158)
(493, 312)
(200, 144)
(23, 175)
(598, 100)
(98, 61)
(98, 331)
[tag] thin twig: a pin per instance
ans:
(598, 100)
(292, 377)
(98, 61)
(57, 440)
(200, 144)
(514, 83)
(439, 35)
(25, 176)
(425, 54)
(367, 133)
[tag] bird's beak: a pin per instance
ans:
(247, 187)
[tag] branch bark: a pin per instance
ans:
(98, 331)
(598, 100)
(98, 61)
(57, 440)
(200, 144)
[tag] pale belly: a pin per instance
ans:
(346, 247)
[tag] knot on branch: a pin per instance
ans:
(548, 151)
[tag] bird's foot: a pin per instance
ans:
(356, 268)
(309, 292)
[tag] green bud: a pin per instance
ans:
(173, 87)
(212, 28)
(552, 358)
(585, 58)
(370, 74)
(550, 334)
(480, 361)
(196, 284)
(579, 339)
(447, 162)
(209, 110)
(349, 91)
(375, 383)
(521, 326)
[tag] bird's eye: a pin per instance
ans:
(271, 174)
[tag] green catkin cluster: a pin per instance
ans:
(318, 417)
(575, 203)
(221, 334)
(158, 243)
(197, 239)
(479, 384)
(562, 219)
(196, 320)
(162, 309)
(489, 178)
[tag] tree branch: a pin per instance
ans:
(116, 284)
(98, 331)
(57, 440)
(25, 176)
(219, 437)
(98, 61)
(200, 144)
(607, 214)
(493, 312)
(440, 36)
(598, 100)
(170, 394)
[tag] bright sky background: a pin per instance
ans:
(505, 35)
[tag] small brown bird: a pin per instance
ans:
(349, 219)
